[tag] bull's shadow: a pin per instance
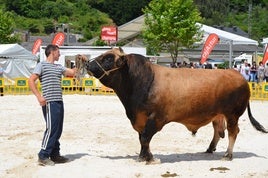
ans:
(199, 156)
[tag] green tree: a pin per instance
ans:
(249, 15)
(26, 8)
(212, 11)
(171, 26)
(259, 22)
(6, 30)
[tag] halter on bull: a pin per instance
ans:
(154, 95)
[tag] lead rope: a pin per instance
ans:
(79, 64)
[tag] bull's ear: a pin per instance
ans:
(121, 61)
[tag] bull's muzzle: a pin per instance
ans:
(87, 66)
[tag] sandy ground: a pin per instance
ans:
(100, 142)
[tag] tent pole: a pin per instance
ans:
(230, 53)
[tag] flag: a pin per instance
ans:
(36, 45)
(265, 55)
(210, 43)
(58, 39)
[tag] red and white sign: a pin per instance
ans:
(36, 45)
(58, 39)
(109, 33)
(265, 55)
(210, 43)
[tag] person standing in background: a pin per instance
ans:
(260, 72)
(253, 72)
(245, 70)
(50, 76)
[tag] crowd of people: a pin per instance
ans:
(193, 65)
(254, 72)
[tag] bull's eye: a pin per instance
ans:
(87, 64)
(108, 61)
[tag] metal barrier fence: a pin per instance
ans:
(92, 86)
(86, 86)
(258, 91)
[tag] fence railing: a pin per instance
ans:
(92, 86)
(258, 91)
(86, 86)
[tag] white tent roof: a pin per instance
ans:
(15, 51)
(16, 61)
(227, 37)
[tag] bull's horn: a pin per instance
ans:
(119, 51)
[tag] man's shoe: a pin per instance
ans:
(59, 159)
(45, 162)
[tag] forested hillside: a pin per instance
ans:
(85, 17)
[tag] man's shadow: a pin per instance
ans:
(73, 157)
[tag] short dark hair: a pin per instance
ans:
(50, 48)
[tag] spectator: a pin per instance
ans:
(236, 68)
(253, 72)
(245, 70)
(260, 72)
(208, 66)
(173, 65)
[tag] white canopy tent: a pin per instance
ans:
(16, 61)
(228, 38)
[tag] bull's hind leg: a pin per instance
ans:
(219, 127)
(233, 130)
(145, 138)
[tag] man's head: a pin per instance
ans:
(52, 50)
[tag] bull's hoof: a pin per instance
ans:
(210, 150)
(141, 159)
(147, 158)
(153, 161)
(227, 157)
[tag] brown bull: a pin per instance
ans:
(154, 95)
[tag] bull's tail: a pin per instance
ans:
(254, 122)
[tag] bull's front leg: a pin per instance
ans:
(145, 137)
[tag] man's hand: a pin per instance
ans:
(42, 101)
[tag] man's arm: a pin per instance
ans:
(34, 89)
(70, 72)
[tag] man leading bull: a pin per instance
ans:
(50, 75)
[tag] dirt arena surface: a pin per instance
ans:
(101, 143)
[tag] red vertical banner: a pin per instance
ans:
(265, 55)
(58, 39)
(210, 43)
(36, 45)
